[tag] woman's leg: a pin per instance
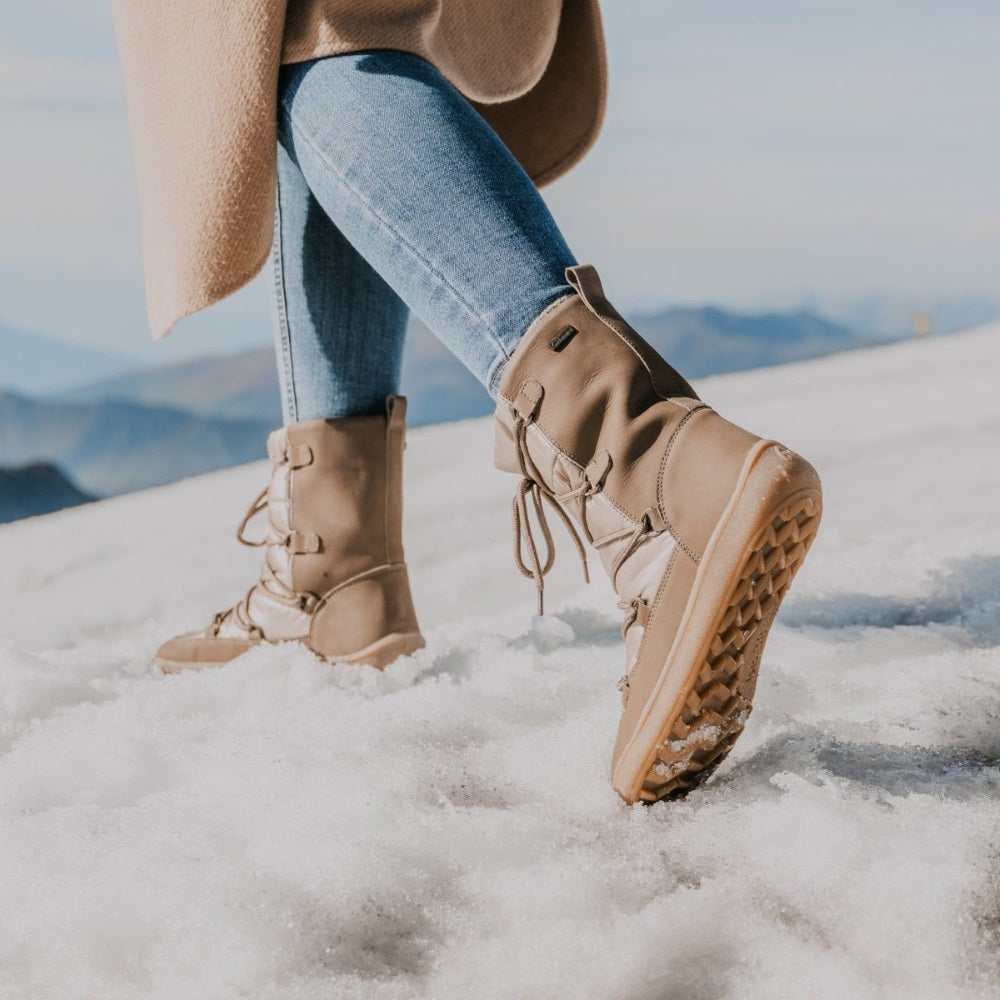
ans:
(699, 524)
(417, 181)
(333, 575)
(339, 327)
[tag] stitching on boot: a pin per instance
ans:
(659, 482)
(367, 574)
(537, 321)
(548, 309)
(537, 428)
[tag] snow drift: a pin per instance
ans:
(280, 828)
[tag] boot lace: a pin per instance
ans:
(269, 582)
(533, 485)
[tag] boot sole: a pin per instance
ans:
(703, 695)
(383, 652)
(379, 654)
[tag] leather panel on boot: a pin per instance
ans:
(595, 397)
(201, 649)
(639, 576)
(334, 514)
(363, 610)
(340, 497)
(666, 380)
(700, 475)
(395, 444)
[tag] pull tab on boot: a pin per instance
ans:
(667, 381)
(584, 278)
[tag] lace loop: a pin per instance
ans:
(532, 484)
(636, 613)
(259, 504)
(650, 524)
(297, 543)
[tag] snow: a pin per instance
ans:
(279, 828)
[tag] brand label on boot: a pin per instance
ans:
(562, 338)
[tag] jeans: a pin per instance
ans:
(395, 195)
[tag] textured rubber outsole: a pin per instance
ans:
(720, 701)
(379, 654)
(705, 699)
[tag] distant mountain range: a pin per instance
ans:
(33, 364)
(113, 447)
(704, 341)
(125, 430)
(245, 386)
(894, 315)
(38, 488)
(232, 387)
(709, 341)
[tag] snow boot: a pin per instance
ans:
(333, 576)
(700, 525)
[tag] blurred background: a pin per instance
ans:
(775, 180)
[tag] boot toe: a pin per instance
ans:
(196, 650)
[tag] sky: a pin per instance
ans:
(754, 154)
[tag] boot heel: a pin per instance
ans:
(370, 615)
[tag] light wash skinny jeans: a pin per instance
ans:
(394, 194)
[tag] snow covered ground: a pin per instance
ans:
(278, 828)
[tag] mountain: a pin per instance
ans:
(150, 426)
(113, 447)
(711, 341)
(34, 364)
(438, 387)
(898, 315)
(445, 830)
(234, 387)
(245, 386)
(38, 488)
(703, 341)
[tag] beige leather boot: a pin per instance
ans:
(700, 524)
(333, 577)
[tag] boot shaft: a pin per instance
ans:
(609, 431)
(333, 575)
(597, 391)
(344, 495)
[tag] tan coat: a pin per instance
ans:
(201, 83)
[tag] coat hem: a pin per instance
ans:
(579, 150)
(209, 298)
(307, 53)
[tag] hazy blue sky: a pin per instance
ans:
(753, 153)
